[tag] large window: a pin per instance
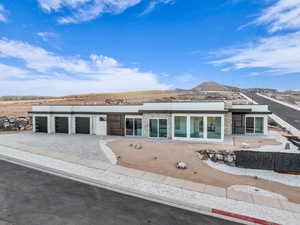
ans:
(158, 128)
(254, 125)
(214, 127)
(196, 127)
(259, 125)
(133, 127)
(180, 126)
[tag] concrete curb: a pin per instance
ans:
(109, 154)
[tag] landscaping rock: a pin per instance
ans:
(15, 123)
(287, 146)
(218, 156)
(181, 165)
(138, 146)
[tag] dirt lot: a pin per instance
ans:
(21, 107)
(161, 156)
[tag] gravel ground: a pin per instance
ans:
(78, 146)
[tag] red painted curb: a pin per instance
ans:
(247, 218)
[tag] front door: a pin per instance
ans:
(101, 125)
(238, 123)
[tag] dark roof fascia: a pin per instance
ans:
(181, 111)
(265, 113)
(88, 104)
(85, 113)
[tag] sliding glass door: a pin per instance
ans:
(180, 126)
(196, 127)
(214, 127)
(133, 127)
(158, 128)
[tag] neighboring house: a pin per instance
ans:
(205, 120)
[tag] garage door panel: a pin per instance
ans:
(82, 125)
(62, 125)
(41, 124)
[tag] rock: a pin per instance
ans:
(219, 156)
(244, 145)
(138, 146)
(15, 123)
(181, 165)
(287, 146)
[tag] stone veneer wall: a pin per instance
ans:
(228, 123)
(147, 116)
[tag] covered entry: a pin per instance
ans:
(82, 125)
(238, 123)
(62, 125)
(41, 124)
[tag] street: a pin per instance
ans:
(286, 113)
(30, 197)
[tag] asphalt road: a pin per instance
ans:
(30, 197)
(286, 113)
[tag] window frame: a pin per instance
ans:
(134, 118)
(254, 125)
(158, 126)
(205, 116)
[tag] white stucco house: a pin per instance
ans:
(198, 121)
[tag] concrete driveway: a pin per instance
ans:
(67, 147)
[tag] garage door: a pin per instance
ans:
(62, 125)
(82, 125)
(41, 124)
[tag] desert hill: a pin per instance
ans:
(20, 105)
(213, 86)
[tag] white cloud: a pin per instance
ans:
(3, 13)
(284, 14)
(152, 5)
(12, 72)
(86, 10)
(277, 54)
(51, 74)
(46, 36)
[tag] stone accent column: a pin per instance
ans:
(228, 123)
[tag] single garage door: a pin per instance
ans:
(62, 125)
(41, 124)
(82, 125)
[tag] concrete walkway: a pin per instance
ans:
(197, 197)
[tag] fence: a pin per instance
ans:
(288, 162)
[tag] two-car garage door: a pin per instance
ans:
(82, 125)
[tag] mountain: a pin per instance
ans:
(213, 86)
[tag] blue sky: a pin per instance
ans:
(60, 47)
